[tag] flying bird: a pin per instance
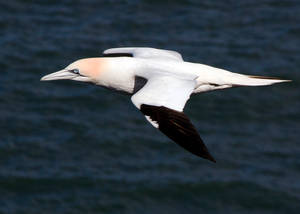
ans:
(160, 83)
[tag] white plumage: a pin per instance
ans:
(160, 82)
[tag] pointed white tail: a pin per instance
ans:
(221, 79)
(249, 80)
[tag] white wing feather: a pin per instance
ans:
(146, 53)
(167, 91)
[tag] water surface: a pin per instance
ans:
(67, 147)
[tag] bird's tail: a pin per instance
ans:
(250, 80)
(221, 79)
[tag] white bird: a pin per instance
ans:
(160, 83)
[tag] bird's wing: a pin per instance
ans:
(162, 100)
(144, 53)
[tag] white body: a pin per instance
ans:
(123, 70)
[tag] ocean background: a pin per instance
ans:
(70, 147)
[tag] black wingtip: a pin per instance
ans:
(211, 158)
(203, 153)
(179, 128)
(117, 55)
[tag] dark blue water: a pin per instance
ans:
(67, 147)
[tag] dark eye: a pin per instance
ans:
(75, 71)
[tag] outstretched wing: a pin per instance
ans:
(162, 100)
(144, 53)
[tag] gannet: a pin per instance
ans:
(160, 83)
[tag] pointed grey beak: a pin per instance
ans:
(60, 75)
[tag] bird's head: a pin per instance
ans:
(84, 70)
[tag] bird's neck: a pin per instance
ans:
(119, 74)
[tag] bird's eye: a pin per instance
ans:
(75, 71)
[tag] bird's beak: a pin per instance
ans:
(60, 75)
